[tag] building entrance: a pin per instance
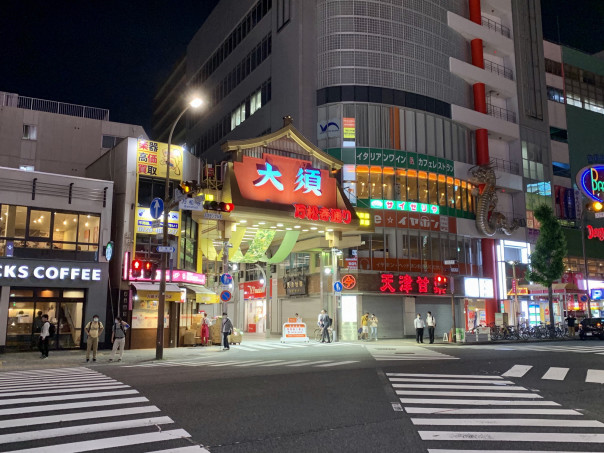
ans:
(64, 307)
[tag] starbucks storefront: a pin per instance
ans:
(69, 292)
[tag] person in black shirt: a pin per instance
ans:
(570, 321)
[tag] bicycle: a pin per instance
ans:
(319, 333)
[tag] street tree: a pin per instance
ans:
(547, 261)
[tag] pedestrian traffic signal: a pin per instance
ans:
(441, 284)
(218, 206)
(137, 267)
(149, 269)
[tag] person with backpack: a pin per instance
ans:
(47, 332)
(94, 329)
(118, 337)
(227, 329)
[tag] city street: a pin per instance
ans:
(265, 396)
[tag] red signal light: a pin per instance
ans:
(137, 266)
(227, 207)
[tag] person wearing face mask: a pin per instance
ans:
(419, 328)
(118, 337)
(93, 329)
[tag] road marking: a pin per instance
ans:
(442, 375)
(465, 402)
(517, 371)
(37, 398)
(513, 436)
(311, 363)
(109, 442)
(191, 449)
(87, 383)
(596, 376)
(338, 363)
(555, 374)
(459, 387)
(471, 394)
(489, 411)
(15, 422)
(253, 362)
(56, 380)
(245, 348)
(229, 362)
(415, 357)
(70, 390)
(54, 407)
(83, 429)
(439, 450)
(507, 422)
(453, 381)
(284, 363)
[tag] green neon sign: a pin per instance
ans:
(409, 206)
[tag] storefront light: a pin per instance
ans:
(327, 270)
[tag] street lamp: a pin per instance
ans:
(159, 347)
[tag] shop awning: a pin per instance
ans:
(150, 291)
(203, 295)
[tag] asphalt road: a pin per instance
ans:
(262, 397)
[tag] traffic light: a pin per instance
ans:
(218, 206)
(188, 187)
(441, 284)
(594, 206)
(137, 267)
(149, 269)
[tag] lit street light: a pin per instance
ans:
(159, 347)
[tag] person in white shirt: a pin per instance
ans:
(419, 328)
(431, 323)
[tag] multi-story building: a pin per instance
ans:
(437, 110)
(56, 137)
(575, 91)
(54, 253)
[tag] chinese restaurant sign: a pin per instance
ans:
(283, 180)
(591, 181)
(409, 206)
(407, 284)
(333, 215)
(151, 159)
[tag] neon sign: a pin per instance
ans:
(333, 215)
(50, 272)
(595, 233)
(409, 206)
(591, 181)
(391, 284)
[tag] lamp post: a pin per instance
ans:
(515, 286)
(168, 205)
(583, 210)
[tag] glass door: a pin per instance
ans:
(69, 327)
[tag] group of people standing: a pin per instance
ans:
(420, 325)
(369, 326)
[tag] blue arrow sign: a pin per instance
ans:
(157, 207)
(226, 279)
(337, 287)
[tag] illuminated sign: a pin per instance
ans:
(333, 215)
(597, 294)
(175, 276)
(349, 281)
(50, 272)
(349, 132)
(253, 290)
(147, 224)
(591, 181)
(284, 180)
(151, 159)
(595, 233)
(479, 287)
(408, 284)
(409, 206)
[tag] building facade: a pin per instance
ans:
(54, 231)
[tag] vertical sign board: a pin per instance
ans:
(348, 133)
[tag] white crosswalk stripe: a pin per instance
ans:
(46, 424)
(274, 346)
(405, 353)
(469, 423)
(564, 348)
(553, 373)
(246, 363)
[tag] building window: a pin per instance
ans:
(561, 169)
(558, 135)
(30, 132)
(188, 243)
(283, 13)
(553, 67)
(555, 94)
(255, 101)
(109, 141)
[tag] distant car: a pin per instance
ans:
(591, 327)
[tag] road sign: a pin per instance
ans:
(599, 215)
(157, 207)
(109, 250)
(166, 249)
(450, 262)
(191, 204)
(349, 281)
(337, 287)
(212, 215)
(226, 279)
(225, 296)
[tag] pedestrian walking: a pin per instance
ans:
(299, 319)
(227, 329)
(373, 325)
(419, 328)
(431, 323)
(205, 330)
(324, 323)
(94, 329)
(571, 321)
(45, 334)
(365, 326)
(118, 337)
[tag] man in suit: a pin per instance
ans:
(324, 324)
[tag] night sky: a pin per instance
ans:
(114, 54)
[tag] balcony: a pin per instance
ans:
(499, 128)
(501, 113)
(505, 165)
(496, 27)
(498, 69)
(493, 80)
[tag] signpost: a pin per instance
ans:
(212, 215)
(157, 207)
(191, 204)
(225, 296)
(166, 249)
(294, 331)
(337, 287)
(226, 279)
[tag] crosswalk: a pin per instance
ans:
(406, 353)
(210, 364)
(554, 373)
(458, 413)
(78, 409)
(564, 348)
(274, 346)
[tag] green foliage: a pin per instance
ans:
(547, 261)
